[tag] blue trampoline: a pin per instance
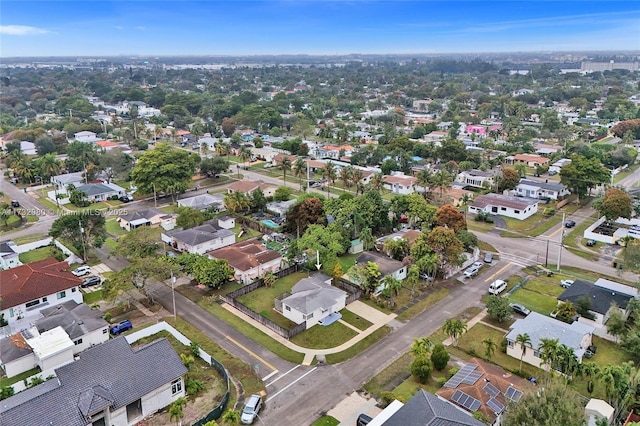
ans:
(330, 319)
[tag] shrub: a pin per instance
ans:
(107, 317)
(439, 357)
(193, 386)
(387, 397)
(6, 392)
(441, 381)
(194, 348)
(452, 372)
(498, 308)
(503, 345)
(421, 368)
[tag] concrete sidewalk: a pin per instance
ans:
(380, 318)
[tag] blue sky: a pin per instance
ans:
(145, 27)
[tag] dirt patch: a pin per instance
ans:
(153, 307)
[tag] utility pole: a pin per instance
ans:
(561, 237)
(173, 296)
(546, 258)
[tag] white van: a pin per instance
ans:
(497, 287)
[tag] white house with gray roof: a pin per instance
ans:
(312, 299)
(576, 336)
(97, 192)
(200, 239)
(109, 384)
(541, 190)
(204, 202)
(8, 255)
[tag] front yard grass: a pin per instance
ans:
(538, 223)
(92, 297)
(321, 337)
(358, 347)
(381, 381)
(347, 261)
(423, 304)
(39, 254)
(355, 320)
(326, 421)
(483, 246)
(410, 385)
(475, 225)
(113, 228)
(29, 239)
(7, 381)
(535, 301)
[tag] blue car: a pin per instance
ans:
(121, 327)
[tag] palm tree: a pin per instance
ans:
(204, 149)
(24, 169)
(367, 238)
(421, 346)
(441, 180)
(231, 417)
(590, 370)
(285, 165)
(548, 349)
(245, 154)
(524, 340)
(376, 182)
(429, 264)
(345, 175)
(236, 201)
(423, 179)
(392, 287)
(489, 347)
(299, 169)
(49, 165)
(176, 410)
(329, 173)
(356, 178)
(454, 328)
(521, 168)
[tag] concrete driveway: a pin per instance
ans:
(348, 410)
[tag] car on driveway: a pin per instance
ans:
(569, 224)
(477, 265)
(591, 351)
(471, 271)
(488, 258)
(121, 327)
(91, 281)
(566, 283)
(519, 309)
(81, 270)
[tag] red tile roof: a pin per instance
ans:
(403, 180)
(35, 280)
(245, 255)
(248, 186)
(531, 158)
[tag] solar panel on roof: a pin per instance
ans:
(461, 375)
(491, 390)
(513, 394)
(474, 405)
(495, 405)
(472, 377)
(466, 401)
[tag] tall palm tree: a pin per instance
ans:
(24, 169)
(367, 238)
(204, 149)
(376, 182)
(245, 154)
(524, 340)
(299, 169)
(423, 179)
(441, 180)
(329, 173)
(548, 349)
(590, 370)
(284, 164)
(392, 287)
(49, 165)
(489, 347)
(345, 175)
(356, 178)
(454, 328)
(237, 201)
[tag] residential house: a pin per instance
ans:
(436, 136)
(86, 136)
(386, 266)
(476, 178)
(424, 409)
(312, 300)
(541, 190)
(482, 387)
(576, 336)
(62, 182)
(281, 207)
(457, 197)
(146, 217)
(250, 259)
(209, 142)
(8, 255)
(204, 202)
(596, 410)
(109, 384)
(529, 159)
(29, 288)
(28, 148)
(248, 186)
(332, 151)
(79, 324)
(107, 145)
(399, 183)
(199, 239)
(504, 205)
(97, 192)
(227, 222)
(601, 299)
(558, 165)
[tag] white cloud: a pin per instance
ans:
(119, 27)
(21, 30)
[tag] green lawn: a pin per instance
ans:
(538, 223)
(474, 225)
(410, 385)
(396, 369)
(423, 304)
(250, 233)
(471, 342)
(486, 246)
(172, 208)
(326, 421)
(355, 320)
(347, 261)
(38, 254)
(321, 337)
(28, 239)
(540, 303)
(358, 347)
(608, 353)
(111, 243)
(113, 228)
(6, 381)
(93, 297)
(262, 299)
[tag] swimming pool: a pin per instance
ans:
(270, 223)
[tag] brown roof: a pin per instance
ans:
(245, 255)
(482, 201)
(493, 374)
(404, 180)
(411, 235)
(530, 157)
(248, 185)
(35, 280)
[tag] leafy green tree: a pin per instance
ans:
(136, 276)
(583, 174)
(555, 404)
(617, 323)
(205, 270)
(237, 201)
(454, 328)
(115, 164)
(439, 357)
(308, 212)
(368, 240)
(6, 392)
(421, 368)
(422, 346)
(81, 229)
(510, 179)
(615, 204)
(396, 248)
(189, 217)
(282, 193)
(164, 169)
(231, 417)
(498, 308)
(213, 166)
(366, 275)
(450, 217)
(258, 200)
(139, 243)
(327, 241)
(444, 242)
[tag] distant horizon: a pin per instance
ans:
(323, 28)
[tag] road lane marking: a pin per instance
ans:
(291, 384)
(268, 376)
(280, 377)
(247, 350)
(494, 275)
(554, 233)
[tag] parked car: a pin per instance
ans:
(82, 270)
(519, 309)
(569, 224)
(15, 203)
(591, 351)
(121, 327)
(426, 277)
(363, 420)
(566, 283)
(471, 271)
(488, 257)
(251, 409)
(477, 264)
(90, 281)
(591, 243)
(125, 198)
(497, 287)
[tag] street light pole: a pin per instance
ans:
(84, 246)
(173, 297)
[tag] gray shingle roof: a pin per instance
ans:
(111, 371)
(549, 186)
(9, 351)
(386, 265)
(309, 300)
(141, 214)
(601, 298)
(425, 409)
(199, 234)
(77, 319)
(95, 188)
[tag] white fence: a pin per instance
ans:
(23, 248)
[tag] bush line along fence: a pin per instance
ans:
(231, 298)
(214, 414)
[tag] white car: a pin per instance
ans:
(477, 265)
(80, 271)
(566, 283)
(471, 271)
